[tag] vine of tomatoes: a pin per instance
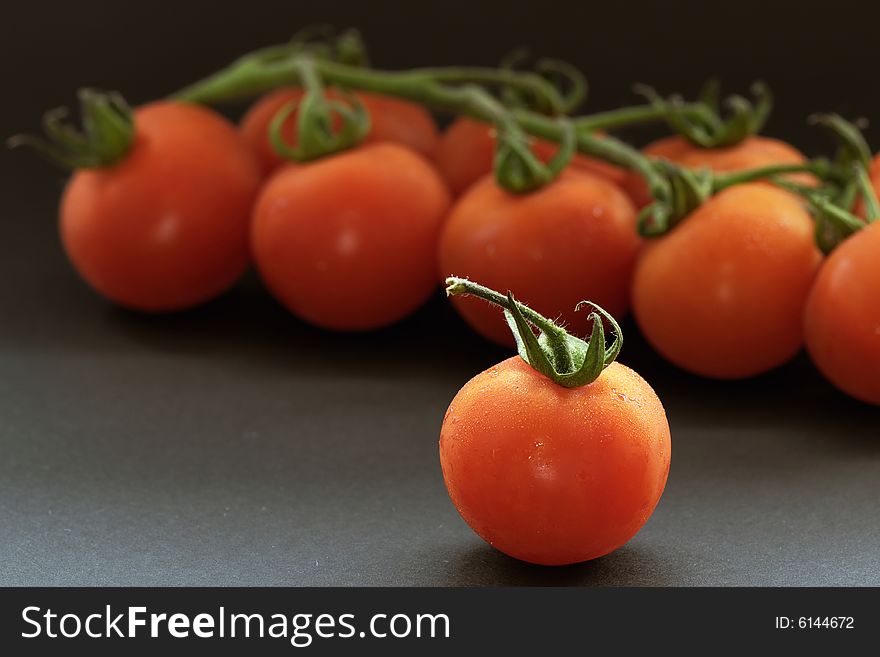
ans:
(340, 188)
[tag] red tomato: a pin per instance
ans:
(572, 240)
(842, 319)
(466, 151)
(332, 238)
(391, 120)
(723, 294)
(167, 227)
(555, 475)
(751, 153)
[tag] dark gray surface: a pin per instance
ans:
(235, 445)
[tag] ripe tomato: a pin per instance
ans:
(574, 239)
(166, 227)
(555, 475)
(723, 294)
(842, 319)
(391, 120)
(466, 150)
(331, 238)
(751, 153)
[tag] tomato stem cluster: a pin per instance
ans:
(107, 134)
(528, 105)
(555, 353)
(521, 105)
(704, 125)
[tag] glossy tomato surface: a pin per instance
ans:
(167, 227)
(555, 475)
(722, 295)
(349, 242)
(466, 150)
(391, 120)
(574, 239)
(842, 319)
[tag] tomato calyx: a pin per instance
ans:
(106, 136)
(851, 145)
(317, 136)
(319, 41)
(844, 181)
(563, 358)
(515, 165)
(688, 190)
(568, 82)
(708, 127)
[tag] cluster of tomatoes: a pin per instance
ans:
(731, 292)
(547, 466)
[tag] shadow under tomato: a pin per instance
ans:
(630, 565)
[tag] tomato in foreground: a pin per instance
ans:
(166, 227)
(571, 240)
(391, 119)
(842, 319)
(466, 150)
(751, 153)
(550, 474)
(330, 237)
(723, 294)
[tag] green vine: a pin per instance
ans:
(521, 105)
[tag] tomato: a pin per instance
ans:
(723, 294)
(751, 153)
(331, 238)
(466, 151)
(167, 227)
(555, 475)
(842, 318)
(391, 120)
(574, 239)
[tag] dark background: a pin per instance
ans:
(235, 445)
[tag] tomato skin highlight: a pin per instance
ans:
(554, 475)
(391, 119)
(842, 318)
(333, 237)
(466, 149)
(722, 295)
(167, 227)
(751, 153)
(572, 240)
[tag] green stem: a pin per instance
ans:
(869, 194)
(563, 358)
(636, 115)
(462, 286)
(252, 75)
(604, 147)
(819, 168)
(547, 96)
(556, 334)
